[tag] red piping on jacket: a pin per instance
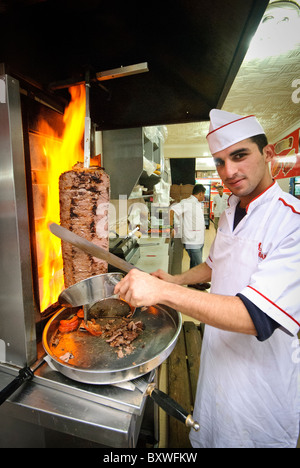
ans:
(289, 316)
(290, 206)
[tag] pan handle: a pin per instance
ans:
(23, 376)
(172, 408)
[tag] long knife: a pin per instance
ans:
(90, 248)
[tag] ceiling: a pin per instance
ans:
(263, 86)
(195, 51)
(193, 48)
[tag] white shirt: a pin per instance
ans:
(189, 221)
(248, 394)
(220, 204)
(275, 285)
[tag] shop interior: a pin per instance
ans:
(266, 86)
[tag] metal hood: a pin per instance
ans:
(193, 49)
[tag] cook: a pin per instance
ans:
(219, 205)
(247, 393)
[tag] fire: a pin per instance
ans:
(61, 153)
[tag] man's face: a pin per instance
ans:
(201, 196)
(243, 169)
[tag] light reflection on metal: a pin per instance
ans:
(122, 71)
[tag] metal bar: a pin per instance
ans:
(102, 76)
(17, 305)
(88, 124)
(122, 71)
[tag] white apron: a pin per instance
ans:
(246, 396)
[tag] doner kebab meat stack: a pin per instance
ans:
(84, 196)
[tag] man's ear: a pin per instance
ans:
(269, 152)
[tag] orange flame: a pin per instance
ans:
(61, 154)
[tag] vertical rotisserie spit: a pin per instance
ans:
(84, 196)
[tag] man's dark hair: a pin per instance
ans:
(260, 140)
(198, 189)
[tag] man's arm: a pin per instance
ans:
(224, 312)
(214, 203)
(199, 274)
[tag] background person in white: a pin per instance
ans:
(189, 224)
(219, 205)
(248, 392)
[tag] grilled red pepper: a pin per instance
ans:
(70, 325)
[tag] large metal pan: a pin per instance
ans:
(162, 326)
(95, 362)
(100, 364)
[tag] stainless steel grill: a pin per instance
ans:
(51, 403)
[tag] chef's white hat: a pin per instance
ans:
(226, 129)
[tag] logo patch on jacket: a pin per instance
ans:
(261, 255)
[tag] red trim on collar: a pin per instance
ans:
(247, 207)
(281, 310)
(226, 125)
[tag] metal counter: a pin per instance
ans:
(90, 415)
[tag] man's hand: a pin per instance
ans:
(224, 312)
(140, 289)
(164, 276)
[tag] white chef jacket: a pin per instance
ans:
(220, 204)
(248, 391)
(190, 221)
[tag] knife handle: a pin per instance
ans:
(172, 408)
